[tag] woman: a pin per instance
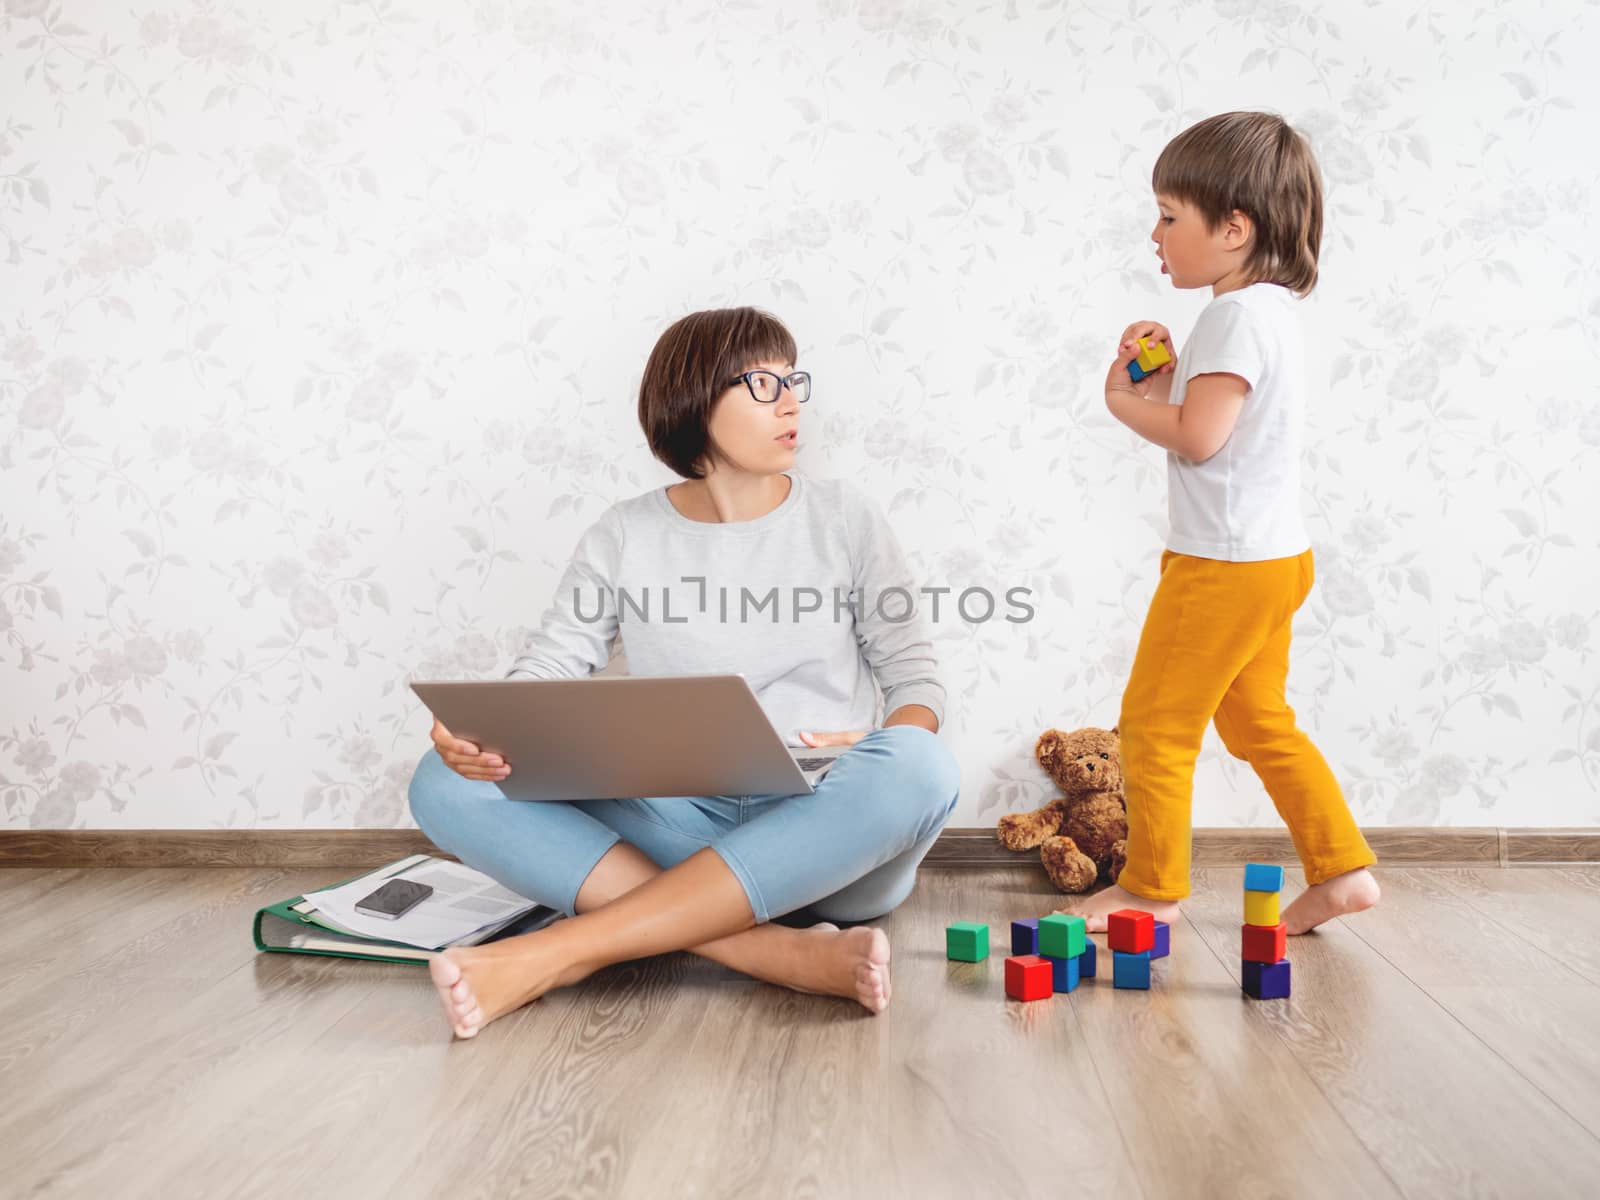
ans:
(746, 568)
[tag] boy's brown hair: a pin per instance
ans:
(692, 364)
(1257, 163)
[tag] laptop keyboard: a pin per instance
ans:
(812, 764)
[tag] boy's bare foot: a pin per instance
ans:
(1337, 897)
(1095, 908)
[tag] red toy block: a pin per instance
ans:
(1131, 931)
(1029, 977)
(1264, 943)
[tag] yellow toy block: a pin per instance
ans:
(1261, 908)
(1153, 355)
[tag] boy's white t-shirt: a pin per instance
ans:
(1243, 503)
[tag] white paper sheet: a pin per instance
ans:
(463, 902)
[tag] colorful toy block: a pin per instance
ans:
(1266, 981)
(1161, 944)
(1259, 877)
(966, 941)
(1152, 356)
(1062, 936)
(1064, 972)
(1029, 977)
(1130, 970)
(1131, 931)
(1025, 937)
(1261, 908)
(1264, 943)
(1086, 963)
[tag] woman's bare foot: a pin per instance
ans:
(477, 984)
(829, 961)
(1337, 897)
(1094, 909)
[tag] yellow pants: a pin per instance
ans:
(1216, 645)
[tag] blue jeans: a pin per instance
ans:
(849, 850)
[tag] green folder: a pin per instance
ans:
(284, 928)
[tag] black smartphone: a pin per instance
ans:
(394, 899)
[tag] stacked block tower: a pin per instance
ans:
(1136, 939)
(1264, 972)
(1049, 955)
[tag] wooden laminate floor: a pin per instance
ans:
(1446, 1044)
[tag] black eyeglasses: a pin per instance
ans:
(767, 386)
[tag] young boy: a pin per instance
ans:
(1240, 201)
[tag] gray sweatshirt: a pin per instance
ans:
(810, 603)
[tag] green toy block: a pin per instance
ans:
(966, 941)
(1062, 936)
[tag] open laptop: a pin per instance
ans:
(627, 737)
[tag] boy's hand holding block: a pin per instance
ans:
(1152, 357)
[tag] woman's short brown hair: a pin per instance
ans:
(1257, 163)
(691, 365)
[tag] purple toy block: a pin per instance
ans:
(1086, 961)
(1265, 981)
(1025, 937)
(1163, 941)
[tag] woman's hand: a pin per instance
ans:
(465, 759)
(832, 739)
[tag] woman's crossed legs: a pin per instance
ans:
(652, 876)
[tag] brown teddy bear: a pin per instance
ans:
(1082, 835)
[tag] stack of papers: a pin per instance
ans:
(466, 907)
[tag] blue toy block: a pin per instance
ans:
(1025, 937)
(1259, 877)
(1130, 970)
(1163, 944)
(1086, 963)
(1135, 371)
(1064, 972)
(1265, 981)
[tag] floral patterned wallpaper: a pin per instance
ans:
(321, 325)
